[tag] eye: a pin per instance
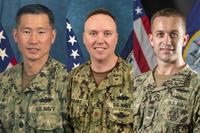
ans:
(26, 31)
(160, 34)
(41, 32)
(174, 35)
(107, 34)
(92, 33)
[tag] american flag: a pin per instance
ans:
(74, 54)
(7, 58)
(140, 54)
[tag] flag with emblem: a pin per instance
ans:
(73, 51)
(138, 50)
(191, 52)
(7, 58)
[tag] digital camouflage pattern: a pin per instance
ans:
(172, 108)
(38, 108)
(106, 108)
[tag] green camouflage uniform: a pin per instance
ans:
(106, 108)
(172, 108)
(38, 108)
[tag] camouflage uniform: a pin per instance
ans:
(106, 108)
(38, 108)
(171, 108)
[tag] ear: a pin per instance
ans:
(53, 36)
(150, 39)
(185, 39)
(14, 34)
(117, 35)
(83, 37)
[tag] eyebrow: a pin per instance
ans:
(170, 31)
(28, 28)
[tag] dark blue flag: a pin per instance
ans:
(7, 58)
(73, 51)
(191, 52)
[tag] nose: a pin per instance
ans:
(168, 39)
(100, 38)
(33, 38)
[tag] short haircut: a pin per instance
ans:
(101, 11)
(35, 9)
(169, 12)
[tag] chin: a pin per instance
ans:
(32, 58)
(99, 59)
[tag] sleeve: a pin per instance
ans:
(64, 83)
(196, 116)
(2, 129)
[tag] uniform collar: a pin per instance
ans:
(115, 77)
(40, 82)
(179, 79)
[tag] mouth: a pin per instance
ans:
(100, 48)
(167, 49)
(33, 50)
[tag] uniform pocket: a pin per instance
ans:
(121, 115)
(176, 112)
(120, 120)
(78, 112)
(44, 111)
(45, 121)
(7, 112)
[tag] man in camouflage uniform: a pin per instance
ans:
(101, 97)
(32, 93)
(167, 99)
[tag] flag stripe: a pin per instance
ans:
(139, 56)
(9, 66)
(13, 61)
(136, 67)
(146, 24)
(141, 28)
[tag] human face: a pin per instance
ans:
(100, 37)
(167, 38)
(34, 37)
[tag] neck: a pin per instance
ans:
(169, 68)
(104, 65)
(33, 67)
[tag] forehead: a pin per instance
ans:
(171, 21)
(34, 19)
(100, 21)
(167, 23)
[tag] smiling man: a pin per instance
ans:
(101, 97)
(167, 99)
(32, 93)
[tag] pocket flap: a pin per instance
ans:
(45, 121)
(121, 115)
